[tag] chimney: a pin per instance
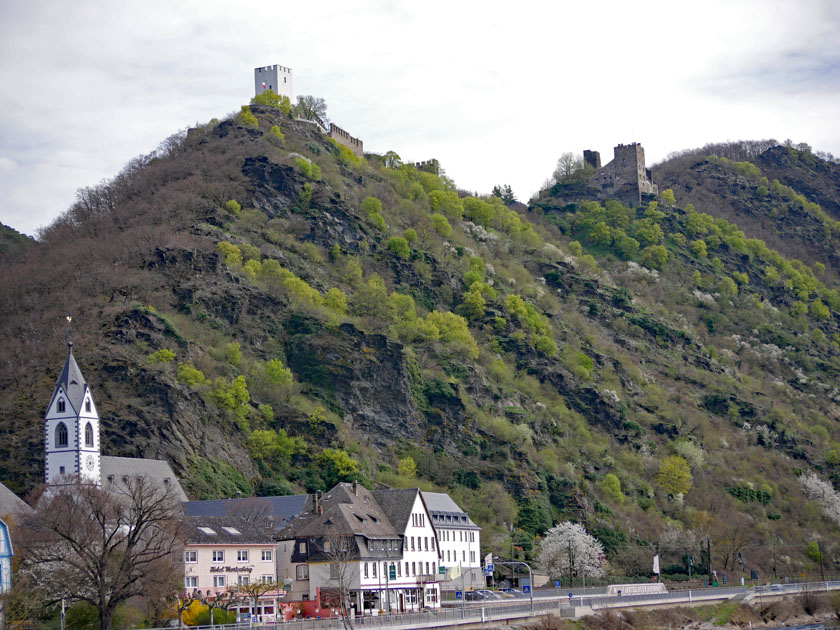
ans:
(355, 487)
(319, 509)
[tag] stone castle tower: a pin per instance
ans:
(71, 431)
(277, 78)
(625, 177)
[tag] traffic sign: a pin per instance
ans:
(442, 570)
(557, 583)
(459, 595)
(526, 588)
(392, 572)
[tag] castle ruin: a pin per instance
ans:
(625, 177)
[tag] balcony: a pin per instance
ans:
(428, 578)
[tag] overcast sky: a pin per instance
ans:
(495, 90)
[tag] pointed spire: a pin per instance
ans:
(71, 381)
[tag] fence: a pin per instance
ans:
(522, 608)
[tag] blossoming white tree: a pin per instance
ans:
(568, 549)
(823, 493)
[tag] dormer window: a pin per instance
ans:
(61, 434)
(89, 433)
(61, 406)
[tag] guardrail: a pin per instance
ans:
(521, 608)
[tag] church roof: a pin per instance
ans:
(10, 503)
(71, 381)
(279, 511)
(113, 469)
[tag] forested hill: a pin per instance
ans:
(271, 313)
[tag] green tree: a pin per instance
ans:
(233, 206)
(576, 248)
(391, 160)
(654, 257)
(270, 98)
(189, 375)
(407, 467)
(441, 225)
(336, 300)
(819, 310)
(399, 245)
(674, 475)
(277, 133)
(337, 465)
(474, 304)
(699, 248)
(233, 353)
(667, 196)
(611, 486)
(164, 355)
(277, 374)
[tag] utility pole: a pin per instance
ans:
(709, 553)
(822, 572)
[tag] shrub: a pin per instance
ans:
(233, 353)
(245, 117)
(576, 248)
(667, 196)
(611, 486)
(164, 355)
(545, 344)
(232, 254)
(271, 98)
(699, 248)
(275, 131)
(410, 235)
(277, 374)
(448, 202)
(233, 206)
(674, 475)
(190, 375)
(654, 257)
(336, 301)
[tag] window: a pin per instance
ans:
(243, 579)
(232, 531)
(203, 530)
(267, 579)
(87, 405)
(433, 544)
(426, 542)
(88, 434)
(366, 569)
(427, 568)
(412, 543)
(302, 547)
(431, 596)
(61, 406)
(472, 556)
(242, 555)
(218, 555)
(334, 571)
(191, 581)
(472, 536)
(218, 580)
(373, 566)
(434, 569)
(406, 569)
(61, 470)
(447, 555)
(463, 556)
(399, 569)
(266, 555)
(190, 556)
(413, 569)
(61, 434)
(385, 569)
(302, 572)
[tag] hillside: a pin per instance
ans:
(271, 314)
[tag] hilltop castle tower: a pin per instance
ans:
(71, 439)
(277, 78)
(625, 177)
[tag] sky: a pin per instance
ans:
(496, 91)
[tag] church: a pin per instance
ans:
(72, 440)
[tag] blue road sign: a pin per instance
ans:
(557, 583)
(526, 589)
(459, 595)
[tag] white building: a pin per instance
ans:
(277, 78)
(459, 541)
(346, 541)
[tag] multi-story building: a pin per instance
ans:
(276, 78)
(223, 552)
(421, 577)
(458, 540)
(344, 549)
(625, 177)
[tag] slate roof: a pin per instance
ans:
(249, 534)
(72, 381)
(278, 510)
(113, 469)
(346, 510)
(446, 513)
(397, 505)
(10, 503)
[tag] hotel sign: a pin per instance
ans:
(231, 569)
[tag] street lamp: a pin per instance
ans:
(530, 576)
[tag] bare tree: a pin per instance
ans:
(343, 555)
(219, 601)
(311, 107)
(252, 591)
(254, 510)
(103, 546)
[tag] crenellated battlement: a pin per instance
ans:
(625, 177)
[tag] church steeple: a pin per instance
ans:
(72, 428)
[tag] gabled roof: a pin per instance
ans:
(278, 510)
(71, 381)
(397, 504)
(224, 530)
(446, 513)
(346, 510)
(113, 469)
(10, 503)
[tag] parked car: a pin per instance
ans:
(474, 596)
(512, 591)
(489, 594)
